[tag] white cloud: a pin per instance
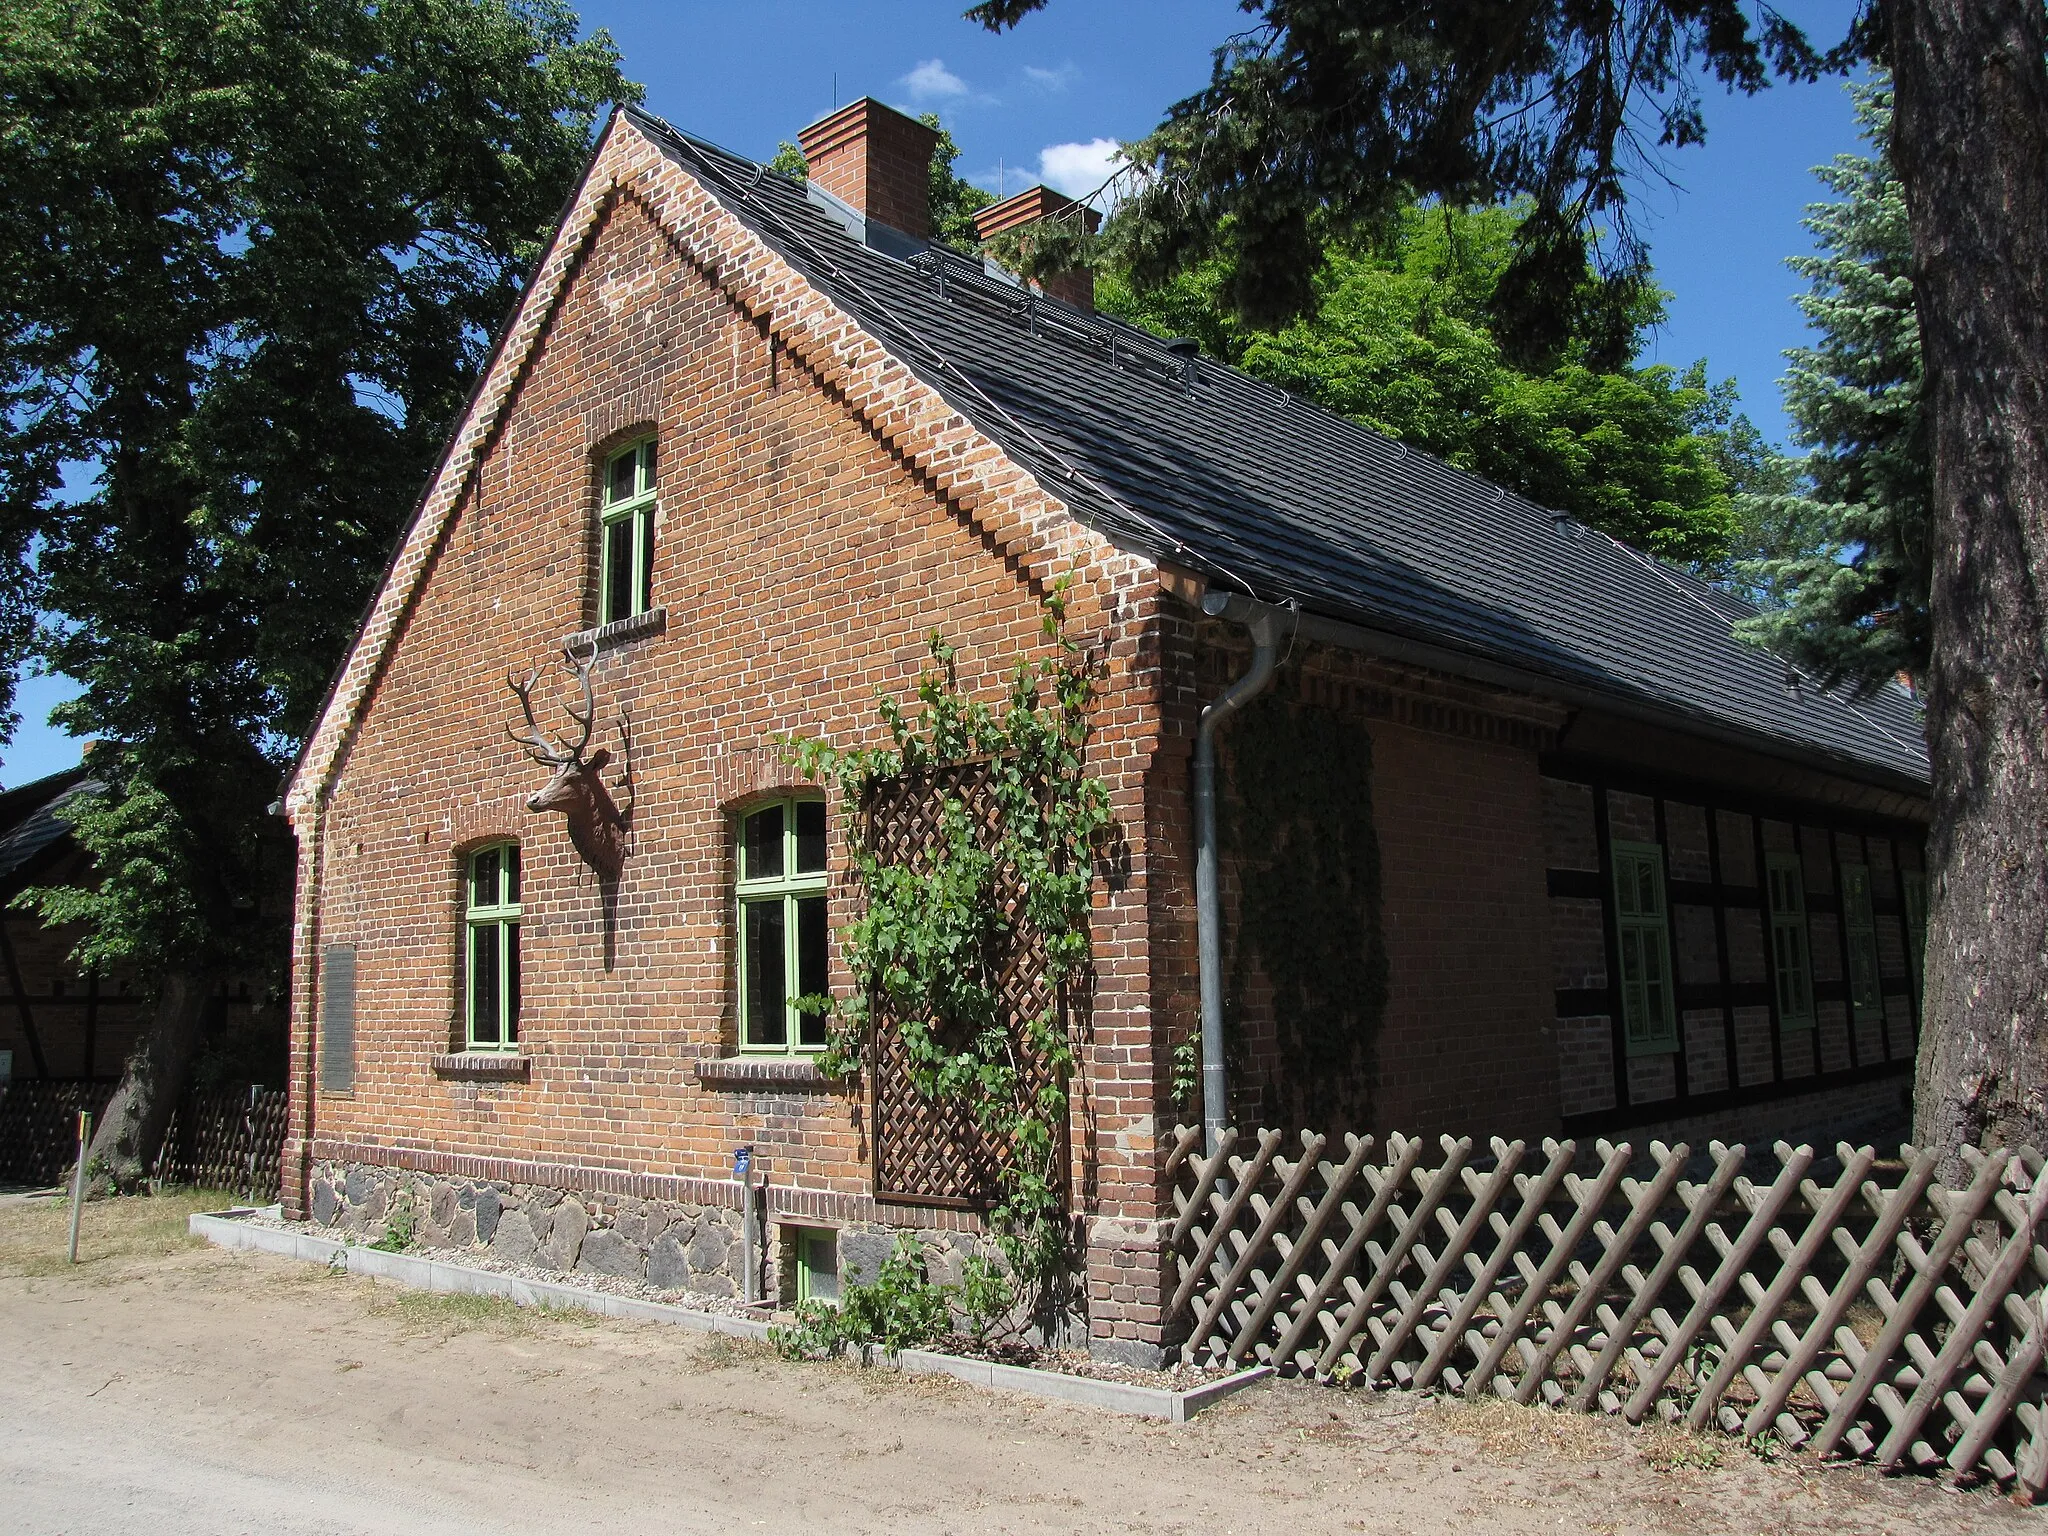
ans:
(1052, 80)
(932, 81)
(1078, 169)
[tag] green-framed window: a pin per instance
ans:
(816, 1251)
(783, 954)
(1859, 927)
(1642, 927)
(1913, 890)
(626, 549)
(491, 949)
(1791, 952)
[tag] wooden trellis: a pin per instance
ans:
(1876, 1313)
(39, 1125)
(230, 1141)
(926, 1151)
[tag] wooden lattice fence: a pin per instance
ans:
(1873, 1312)
(933, 1151)
(231, 1141)
(39, 1125)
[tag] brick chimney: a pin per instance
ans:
(878, 161)
(1027, 207)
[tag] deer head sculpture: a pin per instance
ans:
(597, 826)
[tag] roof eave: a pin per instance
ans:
(1392, 645)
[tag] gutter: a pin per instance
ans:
(1617, 702)
(1264, 623)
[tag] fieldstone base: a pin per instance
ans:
(670, 1245)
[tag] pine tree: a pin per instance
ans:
(1848, 596)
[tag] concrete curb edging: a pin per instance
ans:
(229, 1229)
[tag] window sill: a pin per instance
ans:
(745, 1072)
(494, 1064)
(619, 631)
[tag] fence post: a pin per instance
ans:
(78, 1177)
(249, 1130)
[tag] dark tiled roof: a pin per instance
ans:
(31, 818)
(1201, 466)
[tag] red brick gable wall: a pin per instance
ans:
(802, 557)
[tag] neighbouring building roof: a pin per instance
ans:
(32, 820)
(1199, 466)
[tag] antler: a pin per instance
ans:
(582, 671)
(536, 744)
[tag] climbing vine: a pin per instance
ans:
(927, 947)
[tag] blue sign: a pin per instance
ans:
(742, 1158)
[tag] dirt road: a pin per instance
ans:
(167, 1388)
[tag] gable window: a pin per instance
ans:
(1859, 926)
(491, 949)
(1791, 955)
(782, 949)
(1643, 931)
(626, 551)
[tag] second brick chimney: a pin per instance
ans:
(876, 160)
(1027, 207)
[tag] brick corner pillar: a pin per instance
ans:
(1130, 1265)
(1130, 1282)
(295, 1156)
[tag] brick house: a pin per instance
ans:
(1518, 839)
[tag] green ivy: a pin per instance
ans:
(927, 946)
(901, 1308)
(399, 1226)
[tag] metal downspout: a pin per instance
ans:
(1264, 624)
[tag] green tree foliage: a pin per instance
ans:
(1331, 116)
(1850, 583)
(1401, 339)
(252, 251)
(954, 199)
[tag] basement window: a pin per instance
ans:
(817, 1264)
(1791, 951)
(491, 949)
(626, 546)
(1643, 934)
(780, 859)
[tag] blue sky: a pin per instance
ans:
(1048, 101)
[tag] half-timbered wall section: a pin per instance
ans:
(1772, 996)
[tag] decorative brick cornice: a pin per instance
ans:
(999, 497)
(755, 1073)
(494, 1064)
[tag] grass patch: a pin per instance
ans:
(1509, 1432)
(448, 1313)
(1673, 1448)
(113, 1233)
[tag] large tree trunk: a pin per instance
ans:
(1970, 139)
(124, 1147)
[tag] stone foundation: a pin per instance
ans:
(670, 1245)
